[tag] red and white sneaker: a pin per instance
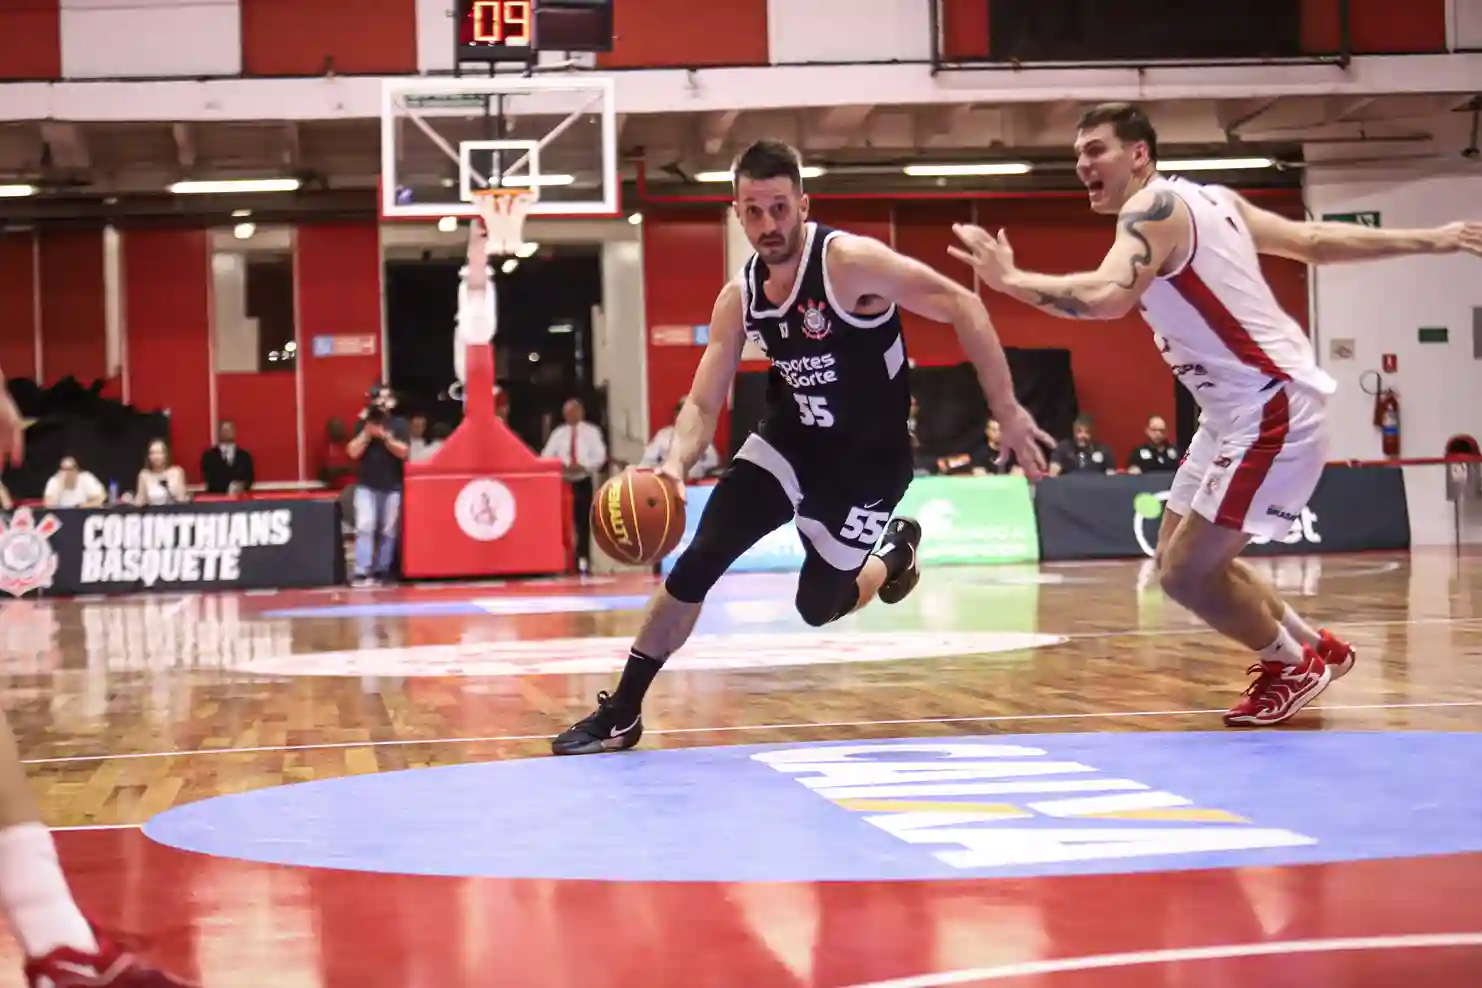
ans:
(1280, 691)
(110, 967)
(1337, 654)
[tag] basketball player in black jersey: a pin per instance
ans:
(833, 451)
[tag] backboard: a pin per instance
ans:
(443, 138)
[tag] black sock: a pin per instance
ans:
(896, 560)
(638, 674)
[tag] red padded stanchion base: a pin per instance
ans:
(471, 525)
(484, 504)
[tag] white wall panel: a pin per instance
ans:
(104, 39)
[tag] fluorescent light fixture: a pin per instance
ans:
(807, 171)
(228, 186)
(957, 171)
(523, 181)
(509, 266)
(244, 231)
(527, 249)
(241, 214)
(448, 224)
(16, 191)
(1213, 164)
(559, 328)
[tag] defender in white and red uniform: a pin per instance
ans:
(1263, 438)
(1187, 256)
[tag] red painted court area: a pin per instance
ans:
(131, 708)
(238, 924)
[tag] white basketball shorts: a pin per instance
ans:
(1255, 471)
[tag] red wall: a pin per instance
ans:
(1120, 378)
(313, 37)
(684, 267)
(338, 280)
(167, 319)
(168, 343)
(31, 40)
(17, 305)
(673, 33)
(73, 321)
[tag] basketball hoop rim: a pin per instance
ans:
(503, 210)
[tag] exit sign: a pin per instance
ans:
(1368, 218)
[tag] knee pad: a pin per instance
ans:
(820, 602)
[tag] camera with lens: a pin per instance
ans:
(379, 402)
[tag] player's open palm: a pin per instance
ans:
(991, 257)
(1021, 435)
(1468, 237)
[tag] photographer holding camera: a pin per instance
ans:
(381, 444)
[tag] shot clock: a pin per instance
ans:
(518, 30)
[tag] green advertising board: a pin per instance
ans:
(973, 519)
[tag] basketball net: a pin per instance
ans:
(504, 212)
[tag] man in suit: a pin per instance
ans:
(226, 467)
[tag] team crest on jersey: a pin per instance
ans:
(816, 324)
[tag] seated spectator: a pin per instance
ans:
(1157, 455)
(921, 461)
(426, 440)
(160, 482)
(73, 487)
(981, 458)
(1081, 453)
(226, 467)
(658, 448)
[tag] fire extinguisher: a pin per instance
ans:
(1387, 420)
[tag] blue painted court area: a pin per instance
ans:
(961, 807)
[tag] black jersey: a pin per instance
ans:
(840, 382)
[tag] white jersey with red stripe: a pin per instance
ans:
(1216, 320)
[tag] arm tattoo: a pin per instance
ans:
(1066, 303)
(1161, 209)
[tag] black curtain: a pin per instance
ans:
(108, 439)
(1109, 30)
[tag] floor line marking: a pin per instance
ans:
(495, 739)
(101, 826)
(1060, 965)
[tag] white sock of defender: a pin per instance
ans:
(1284, 649)
(1300, 629)
(35, 896)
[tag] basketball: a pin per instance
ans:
(637, 517)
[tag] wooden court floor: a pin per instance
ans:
(141, 709)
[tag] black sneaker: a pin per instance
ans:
(901, 535)
(605, 729)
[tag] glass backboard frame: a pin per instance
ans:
(395, 114)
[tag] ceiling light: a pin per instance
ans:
(1213, 164)
(448, 224)
(244, 231)
(241, 214)
(527, 249)
(16, 191)
(807, 171)
(227, 186)
(955, 171)
(523, 181)
(635, 219)
(509, 266)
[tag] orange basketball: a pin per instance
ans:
(637, 517)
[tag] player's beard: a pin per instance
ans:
(785, 252)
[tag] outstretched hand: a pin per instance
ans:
(991, 257)
(1466, 237)
(1021, 436)
(12, 428)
